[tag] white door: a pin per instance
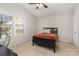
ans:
(75, 30)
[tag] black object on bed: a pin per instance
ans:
(46, 42)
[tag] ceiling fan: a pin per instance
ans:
(39, 5)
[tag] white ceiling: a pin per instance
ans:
(53, 9)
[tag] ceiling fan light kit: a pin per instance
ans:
(39, 5)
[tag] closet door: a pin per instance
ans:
(75, 30)
(19, 24)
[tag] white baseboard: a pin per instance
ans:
(16, 43)
(66, 41)
(27, 39)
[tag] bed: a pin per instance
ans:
(47, 39)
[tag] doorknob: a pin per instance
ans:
(74, 32)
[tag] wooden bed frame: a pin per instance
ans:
(46, 42)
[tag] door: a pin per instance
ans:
(75, 30)
(19, 28)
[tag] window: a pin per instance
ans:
(6, 27)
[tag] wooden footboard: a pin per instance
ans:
(44, 42)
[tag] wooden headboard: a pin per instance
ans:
(52, 29)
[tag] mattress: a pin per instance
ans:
(49, 36)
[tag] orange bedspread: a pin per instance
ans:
(47, 36)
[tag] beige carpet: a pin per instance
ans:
(26, 49)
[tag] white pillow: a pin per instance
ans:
(46, 31)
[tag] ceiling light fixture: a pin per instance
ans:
(39, 5)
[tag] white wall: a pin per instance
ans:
(63, 22)
(16, 10)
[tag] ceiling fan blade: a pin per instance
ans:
(33, 3)
(45, 5)
(37, 7)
